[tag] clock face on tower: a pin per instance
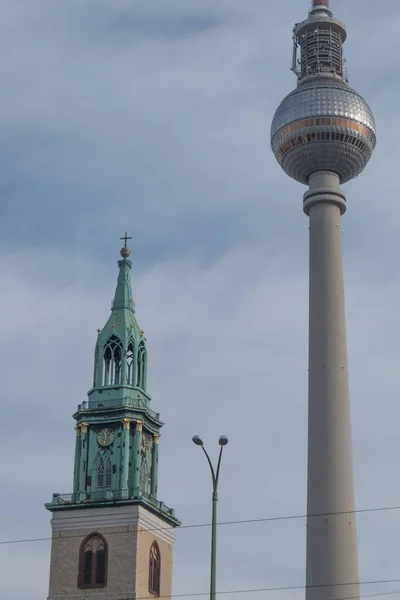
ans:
(105, 437)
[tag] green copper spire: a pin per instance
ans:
(121, 353)
(123, 294)
(117, 434)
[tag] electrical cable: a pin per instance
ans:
(279, 589)
(221, 523)
(271, 589)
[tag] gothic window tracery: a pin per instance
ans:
(141, 366)
(104, 471)
(93, 562)
(112, 361)
(154, 570)
(145, 469)
(143, 475)
(130, 363)
(96, 363)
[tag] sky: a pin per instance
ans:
(153, 117)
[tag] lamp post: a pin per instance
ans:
(223, 440)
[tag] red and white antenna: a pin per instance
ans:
(316, 3)
(320, 6)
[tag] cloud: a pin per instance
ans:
(154, 117)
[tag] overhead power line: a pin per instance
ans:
(287, 589)
(220, 523)
(271, 589)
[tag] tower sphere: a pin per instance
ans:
(125, 252)
(323, 125)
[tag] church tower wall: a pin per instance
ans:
(129, 533)
(112, 539)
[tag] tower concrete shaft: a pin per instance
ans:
(323, 134)
(332, 562)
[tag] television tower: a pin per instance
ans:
(323, 134)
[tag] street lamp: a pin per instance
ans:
(223, 440)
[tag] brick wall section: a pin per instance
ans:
(145, 540)
(122, 547)
(129, 532)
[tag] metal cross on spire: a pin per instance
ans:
(125, 252)
(125, 238)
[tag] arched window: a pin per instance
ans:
(145, 477)
(154, 570)
(96, 365)
(141, 366)
(130, 364)
(93, 562)
(112, 361)
(104, 472)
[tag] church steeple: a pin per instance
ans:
(121, 354)
(116, 466)
(123, 294)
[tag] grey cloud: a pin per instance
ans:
(124, 28)
(219, 353)
(170, 140)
